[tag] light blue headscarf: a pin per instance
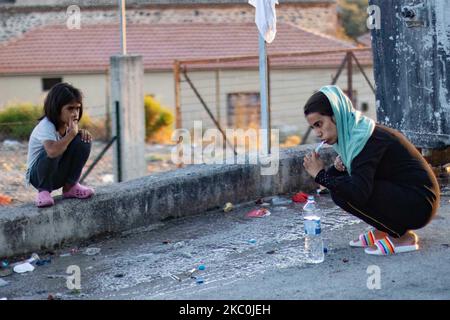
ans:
(353, 129)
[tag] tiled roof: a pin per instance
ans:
(56, 49)
(366, 39)
(85, 3)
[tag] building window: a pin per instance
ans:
(364, 107)
(48, 83)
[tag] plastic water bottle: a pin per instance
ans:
(313, 237)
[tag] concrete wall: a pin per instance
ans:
(321, 17)
(42, 3)
(140, 202)
(412, 70)
(127, 75)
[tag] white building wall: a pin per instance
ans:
(29, 89)
(20, 89)
(290, 89)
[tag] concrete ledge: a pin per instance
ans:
(143, 201)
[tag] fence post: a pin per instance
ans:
(118, 143)
(177, 79)
(127, 94)
(350, 78)
(264, 94)
(218, 113)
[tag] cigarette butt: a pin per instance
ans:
(174, 277)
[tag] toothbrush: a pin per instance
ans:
(319, 146)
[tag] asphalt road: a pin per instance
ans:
(243, 258)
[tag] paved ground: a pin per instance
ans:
(141, 264)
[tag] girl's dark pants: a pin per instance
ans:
(393, 208)
(53, 173)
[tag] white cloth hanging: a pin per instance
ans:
(266, 18)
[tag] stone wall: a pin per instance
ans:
(138, 203)
(41, 3)
(319, 17)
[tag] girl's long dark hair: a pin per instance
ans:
(318, 103)
(58, 96)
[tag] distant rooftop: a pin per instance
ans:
(55, 49)
(39, 3)
(366, 39)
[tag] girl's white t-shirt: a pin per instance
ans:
(44, 131)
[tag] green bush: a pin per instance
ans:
(18, 121)
(158, 119)
(97, 126)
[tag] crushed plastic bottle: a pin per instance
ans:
(92, 251)
(278, 201)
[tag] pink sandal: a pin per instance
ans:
(44, 199)
(78, 191)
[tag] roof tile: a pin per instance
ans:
(55, 48)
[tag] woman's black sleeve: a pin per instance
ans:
(335, 172)
(358, 186)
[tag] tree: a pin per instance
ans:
(353, 16)
(158, 120)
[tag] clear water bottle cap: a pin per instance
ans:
(310, 198)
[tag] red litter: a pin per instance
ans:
(300, 197)
(5, 200)
(258, 213)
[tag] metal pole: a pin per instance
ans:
(99, 157)
(269, 103)
(350, 77)
(208, 111)
(118, 138)
(176, 75)
(363, 72)
(123, 28)
(273, 55)
(108, 108)
(218, 96)
(341, 67)
(264, 94)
